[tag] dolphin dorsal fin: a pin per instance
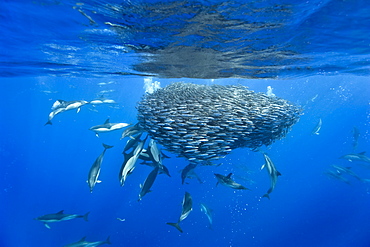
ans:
(106, 121)
(61, 212)
(229, 175)
(82, 239)
(363, 153)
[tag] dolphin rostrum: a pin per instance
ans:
(187, 207)
(271, 169)
(94, 172)
(58, 217)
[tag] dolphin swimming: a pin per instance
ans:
(84, 243)
(145, 188)
(228, 182)
(273, 173)
(58, 217)
(337, 175)
(208, 212)
(107, 127)
(187, 207)
(94, 172)
(317, 128)
(132, 130)
(129, 162)
(186, 172)
(346, 170)
(357, 157)
(60, 106)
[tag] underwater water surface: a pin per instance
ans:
(314, 55)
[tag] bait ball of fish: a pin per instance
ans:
(203, 123)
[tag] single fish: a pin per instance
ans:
(60, 106)
(94, 172)
(228, 182)
(107, 127)
(187, 207)
(273, 173)
(60, 216)
(85, 243)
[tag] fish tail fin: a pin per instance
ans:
(108, 240)
(176, 225)
(85, 216)
(267, 196)
(48, 122)
(107, 146)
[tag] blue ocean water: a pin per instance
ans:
(314, 54)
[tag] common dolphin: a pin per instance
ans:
(58, 217)
(357, 157)
(208, 212)
(130, 131)
(317, 128)
(107, 127)
(228, 182)
(337, 175)
(145, 188)
(85, 243)
(129, 162)
(346, 170)
(94, 172)
(273, 173)
(186, 172)
(187, 207)
(60, 106)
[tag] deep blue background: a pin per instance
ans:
(44, 170)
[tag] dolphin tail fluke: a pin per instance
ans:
(176, 225)
(48, 122)
(267, 196)
(107, 146)
(108, 240)
(85, 216)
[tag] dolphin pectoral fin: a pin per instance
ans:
(97, 135)
(78, 109)
(47, 226)
(176, 225)
(278, 173)
(98, 181)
